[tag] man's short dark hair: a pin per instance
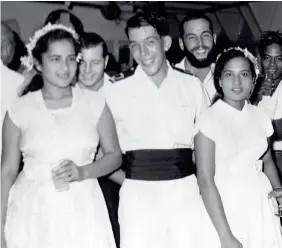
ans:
(268, 38)
(147, 18)
(89, 40)
(192, 17)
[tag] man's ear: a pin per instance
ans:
(106, 61)
(181, 44)
(214, 38)
(167, 42)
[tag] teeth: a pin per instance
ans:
(147, 62)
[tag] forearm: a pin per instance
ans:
(214, 207)
(277, 124)
(104, 166)
(271, 172)
(7, 180)
(118, 176)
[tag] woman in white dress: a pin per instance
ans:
(235, 169)
(56, 201)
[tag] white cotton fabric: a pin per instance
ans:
(158, 214)
(240, 141)
(272, 105)
(37, 215)
(208, 83)
(148, 117)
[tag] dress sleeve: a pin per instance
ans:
(268, 126)
(205, 125)
(97, 103)
(15, 112)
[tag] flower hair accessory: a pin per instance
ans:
(28, 61)
(247, 54)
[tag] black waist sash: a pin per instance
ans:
(158, 164)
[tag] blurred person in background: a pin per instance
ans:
(269, 87)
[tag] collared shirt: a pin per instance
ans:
(208, 83)
(106, 84)
(272, 105)
(148, 117)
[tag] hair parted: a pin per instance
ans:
(40, 43)
(88, 40)
(43, 37)
(148, 18)
(224, 58)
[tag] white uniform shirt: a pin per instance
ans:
(10, 83)
(148, 117)
(107, 83)
(208, 83)
(272, 105)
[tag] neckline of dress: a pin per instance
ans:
(44, 106)
(231, 110)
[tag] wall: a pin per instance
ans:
(30, 15)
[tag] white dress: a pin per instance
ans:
(241, 140)
(38, 215)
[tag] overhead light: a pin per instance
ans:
(111, 11)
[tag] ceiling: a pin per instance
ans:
(170, 8)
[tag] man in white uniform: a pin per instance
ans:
(92, 77)
(155, 110)
(198, 43)
(270, 91)
(10, 80)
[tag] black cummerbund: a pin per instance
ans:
(158, 164)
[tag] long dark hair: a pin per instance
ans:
(224, 58)
(41, 47)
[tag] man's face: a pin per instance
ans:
(272, 60)
(198, 43)
(92, 65)
(147, 48)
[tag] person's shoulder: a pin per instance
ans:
(122, 81)
(12, 77)
(180, 71)
(258, 111)
(123, 77)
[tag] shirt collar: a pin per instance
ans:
(140, 74)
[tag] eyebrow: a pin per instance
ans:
(150, 37)
(206, 31)
(58, 55)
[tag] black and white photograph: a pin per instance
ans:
(141, 124)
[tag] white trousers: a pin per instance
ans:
(160, 214)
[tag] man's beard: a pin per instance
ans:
(203, 62)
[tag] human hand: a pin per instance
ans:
(277, 194)
(266, 85)
(67, 171)
(231, 242)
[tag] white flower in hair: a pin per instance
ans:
(78, 57)
(247, 54)
(28, 61)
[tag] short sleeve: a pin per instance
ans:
(97, 104)
(15, 112)
(205, 125)
(268, 126)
